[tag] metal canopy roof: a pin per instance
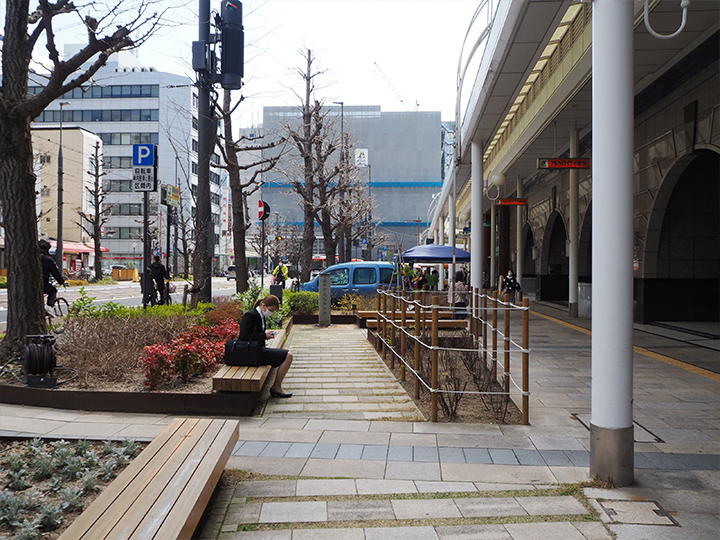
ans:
(531, 30)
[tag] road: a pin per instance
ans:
(126, 293)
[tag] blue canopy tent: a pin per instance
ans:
(433, 253)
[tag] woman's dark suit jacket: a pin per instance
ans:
(251, 327)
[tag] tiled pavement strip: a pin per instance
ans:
(345, 467)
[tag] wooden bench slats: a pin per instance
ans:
(177, 515)
(163, 492)
(242, 378)
(99, 506)
(173, 472)
(181, 521)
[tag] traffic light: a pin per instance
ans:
(232, 38)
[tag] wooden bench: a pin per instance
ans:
(163, 493)
(242, 378)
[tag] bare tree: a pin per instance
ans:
(109, 33)
(239, 188)
(92, 223)
(319, 181)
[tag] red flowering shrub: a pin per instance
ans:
(156, 364)
(189, 354)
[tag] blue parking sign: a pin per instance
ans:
(143, 155)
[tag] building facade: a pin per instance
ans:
(128, 104)
(404, 153)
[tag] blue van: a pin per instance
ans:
(354, 278)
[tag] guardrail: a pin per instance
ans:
(394, 337)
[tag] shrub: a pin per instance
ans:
(3, 282)
(232, 310)
(302, 302)
(190, 354)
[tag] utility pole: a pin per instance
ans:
(204, 63)
(59, 241)
(341, 235)
(207, 129)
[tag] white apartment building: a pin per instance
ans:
(129, 104)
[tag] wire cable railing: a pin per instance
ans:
(398, 314)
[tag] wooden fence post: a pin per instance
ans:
(526, 362)
(484, 328)
(392, 328)
(403, 341)
(506, 346)
(384, 323)
(493, 353)
(417, 345)
(434, 362)
(377, 327)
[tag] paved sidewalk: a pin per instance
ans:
(404, 479)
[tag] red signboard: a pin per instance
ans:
(569, 163)
(513, 202)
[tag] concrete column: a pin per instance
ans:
(476, 218)
(493, 246)
(519, 238)
(611, 429)
(441, 237)
(451, 231)
(573, 233)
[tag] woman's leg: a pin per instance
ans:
(281, 372)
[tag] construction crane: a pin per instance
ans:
(397, 95)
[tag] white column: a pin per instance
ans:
(611, 430)
(573, 233)
(493, 281)
(441, 231)
(476, 217)
(451, 232)
(519, 238)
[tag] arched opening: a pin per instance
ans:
(681, 278)
(555, 266)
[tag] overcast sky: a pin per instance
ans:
(415, 43)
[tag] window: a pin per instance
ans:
(364, 276)
(339, 277)
(386, 275)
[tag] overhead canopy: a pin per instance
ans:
(434, 253)
(73, 247)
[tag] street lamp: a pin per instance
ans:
(341, 240)
(59, 247)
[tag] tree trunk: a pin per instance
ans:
(308, 242)
(26, 314)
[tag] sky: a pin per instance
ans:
(399, 54)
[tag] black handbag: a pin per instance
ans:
(242, 353)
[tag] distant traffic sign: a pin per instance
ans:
(263, 210)
(144, 171)
(570, 163)
(143, 155)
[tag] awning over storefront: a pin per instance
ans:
(73, 247)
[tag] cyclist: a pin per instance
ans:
(49, 268)
(281, 274)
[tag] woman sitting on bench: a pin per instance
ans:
(252, 328)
